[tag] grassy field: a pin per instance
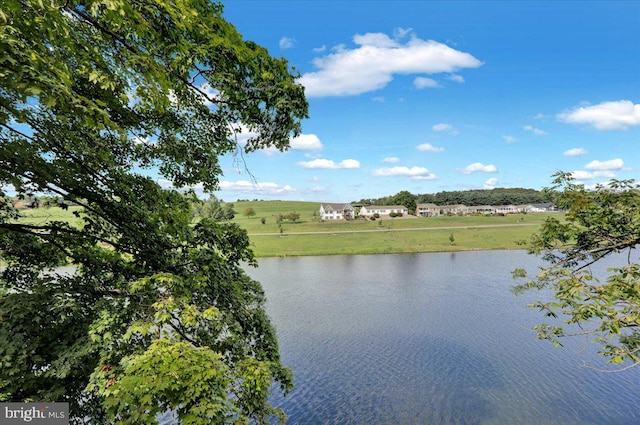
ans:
(310, 236)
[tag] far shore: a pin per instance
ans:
(309, 236)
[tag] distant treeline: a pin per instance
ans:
(498, 196)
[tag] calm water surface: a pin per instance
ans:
(430, 339)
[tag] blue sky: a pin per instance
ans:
(428, 96)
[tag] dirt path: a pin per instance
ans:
(412, 229)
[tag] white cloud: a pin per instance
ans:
(509, 139)
(210, 94)
(242, 133)
(441, 127)
(617, 115)
(374, 62)
(379, 99)
(478, 167)
(287, 43)
(416, 173)
(306, 142)
(535, 131)
(143, 141)
(320, 49)
(575, 152)
(376, 39)
(538, 116)
(7, 188)
(587, 175)
(457, 78)
(164, 183)
(428, 147)
(423, 83)
(263, 187)
(428, 176)
(391, 159)
(327, 164)
(491, 183)
(613, 164)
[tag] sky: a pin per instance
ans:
(429, 96)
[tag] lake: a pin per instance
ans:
(430, 339)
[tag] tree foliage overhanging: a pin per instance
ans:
(157, 315)
(599, 223)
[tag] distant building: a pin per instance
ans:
(427, 210)
(370, 210)
(458, 209)
(544, 207)
(336, 212)
(433, 210)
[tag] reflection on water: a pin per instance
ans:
(429, 339)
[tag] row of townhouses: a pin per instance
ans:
(347, 211)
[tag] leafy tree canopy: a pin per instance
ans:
(497, 196)
(406, 199)
(156, 314)
(598, 224)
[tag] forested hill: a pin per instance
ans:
(498, 196)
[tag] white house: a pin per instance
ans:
(370, 210)
(336, 212)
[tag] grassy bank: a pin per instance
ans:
(310, 236)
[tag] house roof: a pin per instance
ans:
(336, 207)
(385, 207)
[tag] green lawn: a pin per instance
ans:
(397, 235)
(341, 237)
(42, 215)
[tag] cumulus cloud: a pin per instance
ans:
(263, 187)
(535, 131)
(612, 164)
(575, 152)
(478, 167)
(428, 176)
(391, 159)
(306, 142)
(587, 175)
(428, 147)
(327, 164)
(617, 115)
(416, 173)
(457, 78)
(491, 183)
(287, 43)
(377, 58)
(509, 139)
(423, 83)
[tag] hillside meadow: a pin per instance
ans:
(310, 236)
